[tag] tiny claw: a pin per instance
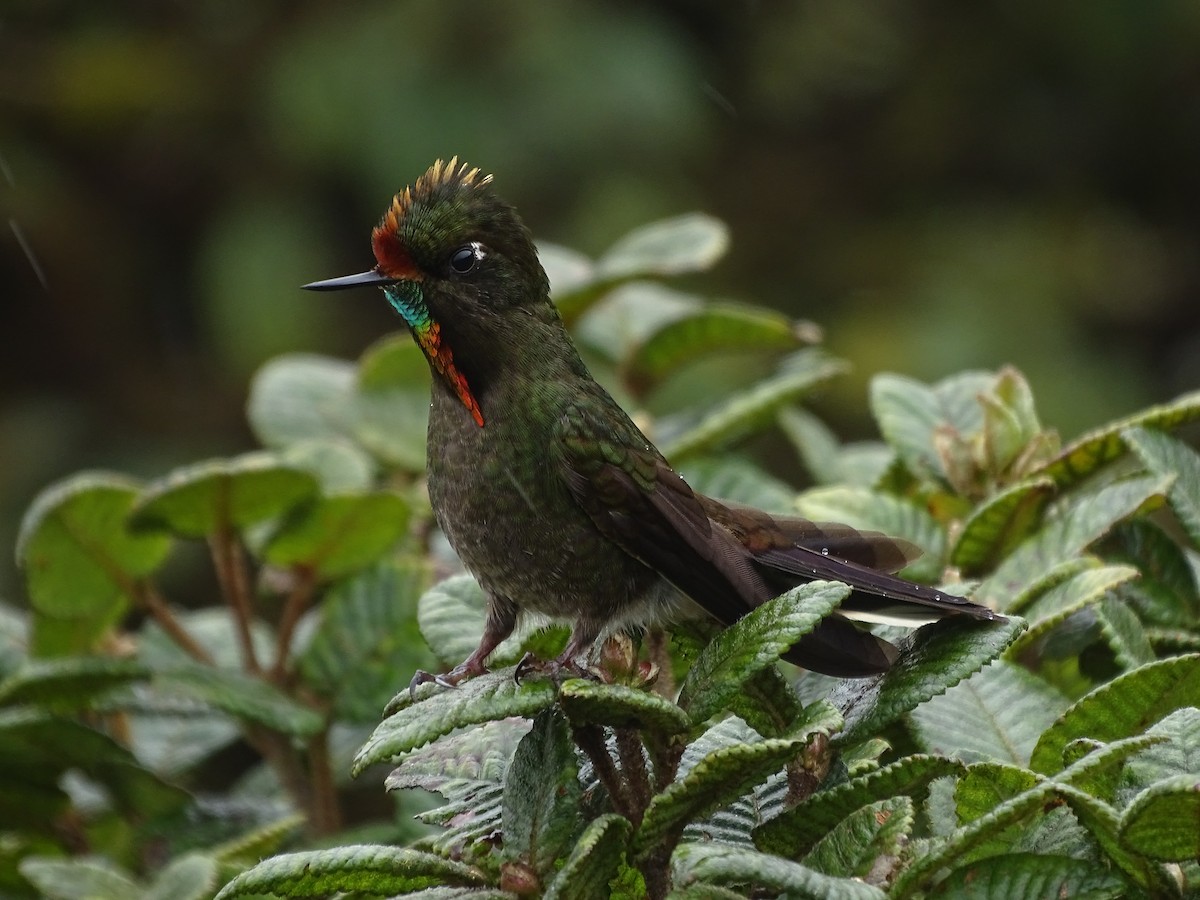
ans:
(529, 664)
(451, 679)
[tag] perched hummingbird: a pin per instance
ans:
(553, 498)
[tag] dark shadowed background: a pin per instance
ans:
(941, 186)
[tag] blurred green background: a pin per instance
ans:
(940, 185)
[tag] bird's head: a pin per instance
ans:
(456, 262)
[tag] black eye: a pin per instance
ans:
(463, 259)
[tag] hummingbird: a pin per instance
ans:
(554, 500)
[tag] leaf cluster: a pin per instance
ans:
(1055, 754)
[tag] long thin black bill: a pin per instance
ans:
(371, 278)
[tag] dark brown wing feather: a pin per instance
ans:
(637, 501)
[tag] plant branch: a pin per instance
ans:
(590, 739)
(326, 817)
(229, 560)
(153, 602)
(293, 608)
(633, 765)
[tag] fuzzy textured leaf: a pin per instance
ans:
(997, 713)
(1011, 875)
(451, 615)
(1095, 449)
(754, 642)
(1066, 533)
(301, 396)
(744, 413)
(204, 498)
(67, 683)
(367, 868)
(70, 879)
(711, 328)
(619, 706)
(719, 865)
(688, 243)
(240, 695)
(1128, 705)
(339, 534)
(80, 560)
(1167, 456)
(798, 829)
(999, 523)
(593, 863)
(491, 696)
(1048, 609)
(190, 877)
(932, 660)
(541, 795)
(366, 639)
(854, 846)
(715, 780)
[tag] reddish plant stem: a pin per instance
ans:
(229, 560)
(156, 606)
(293, 608)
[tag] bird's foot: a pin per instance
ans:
(465, 670)
(558, 669)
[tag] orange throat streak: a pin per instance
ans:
(429, 338)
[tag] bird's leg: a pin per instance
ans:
(572, 661)
(500, 622)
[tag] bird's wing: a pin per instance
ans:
(794, 547)
(637, 501)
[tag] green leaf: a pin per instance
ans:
(1097, 448)
(337, 535)
(190, 877)
(339, 466)
(754, 642)
(206, 497)
(814, 442)
(870, 510)
(748, 411)
(1082, 587)
(391, 403)
(299, 397)
(80, 560)
(568, 270)
(1011, 875)
(469, 770)
(718, 865)
(1166, 456)
(709, 329)
(997, 713)
(62, 879)
(1125, 706)
(451, 617)
(998, 524)
(593, 862)
(620, 706)
(1068, 530)
(1103, 823)
(795, 831)
(1161, 821)
(240, 695)
(716, 780)
(68, 683)
(1124, 633)
(541, 795)
(1166, 594)
(932, 660)
(371, 869)
(248, 848)
(854, 847)
(482, 699)
(366, 640)
(692, 242)
(1025, 803)
(1179, 754)
(909, 414)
